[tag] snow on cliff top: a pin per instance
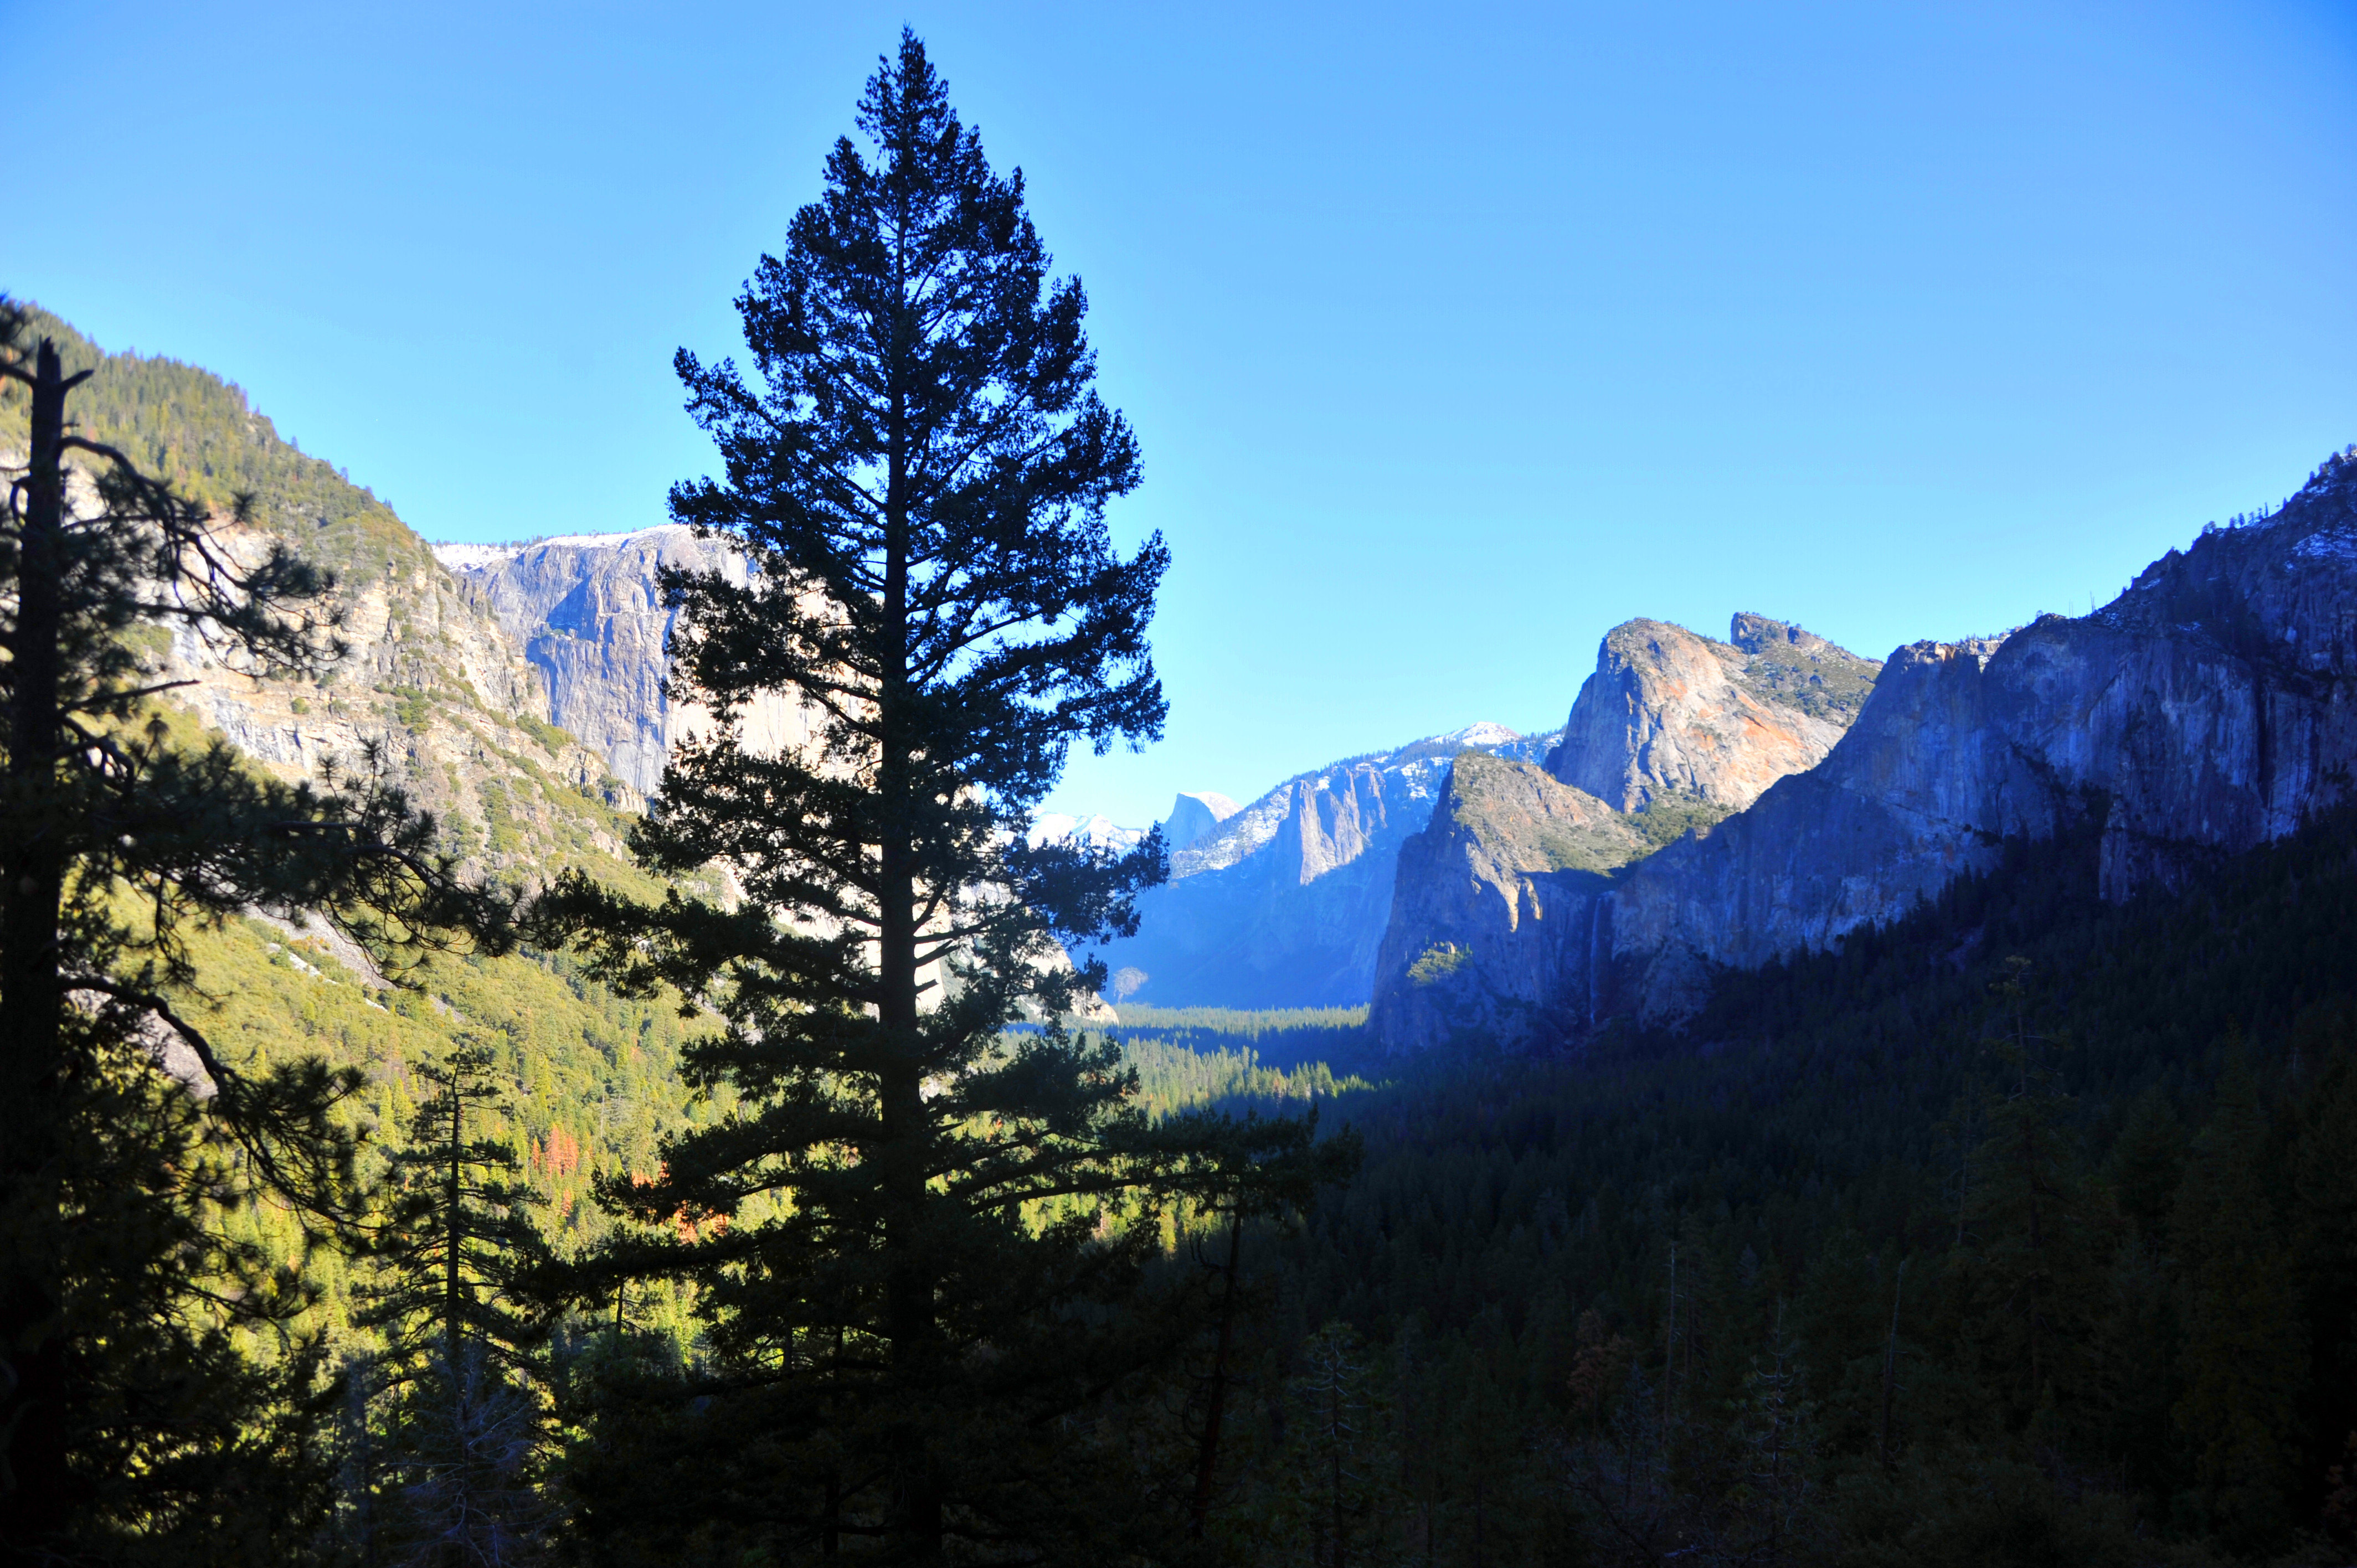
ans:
(485, 557)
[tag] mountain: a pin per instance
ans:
(1670, 715)
(1282, 903)
(2204, 711)
(1098, 832)
(588, 612)
(1494, 901)
(1194, 818)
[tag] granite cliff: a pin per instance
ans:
(587, 613)
(1194, 817)
(1492, 902)
(1669, 713)
(1496, 902)
(1283, 903)
(2204, 711)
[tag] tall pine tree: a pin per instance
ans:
(906, 1229)
(2243, 1358)
(453, 1299)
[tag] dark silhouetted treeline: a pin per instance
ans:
(2023, 1231)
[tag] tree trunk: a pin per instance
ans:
(1208, 1460)
(908, 1287)
(453, 1241)
(1890, 1362)
(36, 1495)
(1669, 1351)
(831, 1522)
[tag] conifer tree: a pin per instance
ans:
(131, 1422)
(908, 1228)
(2244, 1361)
(1771, 1457)
(2029, 1271)
(454, 1268)
(1339, 1467)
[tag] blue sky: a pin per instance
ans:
(1453, 334)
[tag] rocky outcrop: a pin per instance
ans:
(1671, 714)
(589, 612)
(1283, 903)
(2204, 711)
(406, 630)
(430, 693)
(1501, 912)
(1492, 900)
(1195, 817)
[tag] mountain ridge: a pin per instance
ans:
(1282, 903)
(2205, 711)
(1494, 901)
(432, 695)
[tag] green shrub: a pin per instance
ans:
(550, 736)
(1437, 962)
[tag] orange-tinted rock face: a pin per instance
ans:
(1670, 712)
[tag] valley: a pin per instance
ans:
(1777, 1012)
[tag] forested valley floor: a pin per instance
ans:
(2022, 1231)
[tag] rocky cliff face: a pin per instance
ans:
(1195, 817)
(1283, 903)
(1494, 900)
(432, 693)
(1672, 713)
(587, 613)
(2200, 713)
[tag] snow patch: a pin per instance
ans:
(2333, 544)
(488, 557)
(1098, 832)
(475, 557)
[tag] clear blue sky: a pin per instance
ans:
(1454, 335)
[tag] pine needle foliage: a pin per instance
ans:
(458, 1254)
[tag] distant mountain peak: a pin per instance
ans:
(1194, 817)
(1097, 831)
(1282, 902)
